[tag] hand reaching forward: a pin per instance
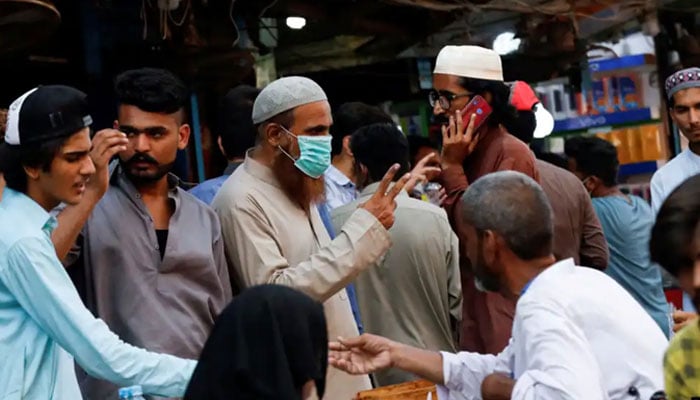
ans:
(420, 172)
(683, 318)
(383, 203)
(361, 355)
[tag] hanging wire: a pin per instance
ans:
(188, 6)
(235, 25)
(551, 7)
(144, 18)
(264, 10)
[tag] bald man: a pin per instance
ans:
(568, 340)
(272, 228)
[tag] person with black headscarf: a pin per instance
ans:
(271, 342)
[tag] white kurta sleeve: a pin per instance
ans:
(554, 355)
(465, 371)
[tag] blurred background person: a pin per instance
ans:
(236, 134)
(675, 245)
(578, 233)
(413, 294)
(627, 221)
(340, 176)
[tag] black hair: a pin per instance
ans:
(378, 147)
(350, 117)
(235, 123)
(503, 112)
(35, 155)
(676, 226)
(571, 146)
(597, 157)
(415, 143)
(151, 90)
(523, 126)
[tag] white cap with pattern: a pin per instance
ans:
(469, 62)
(285, 94)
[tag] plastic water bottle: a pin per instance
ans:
(131, 393)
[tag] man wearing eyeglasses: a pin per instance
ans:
(462, 72)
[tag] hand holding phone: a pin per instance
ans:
(459, 138)
(478, 106)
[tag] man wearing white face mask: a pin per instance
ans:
(272, 228)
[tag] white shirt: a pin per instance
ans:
(577, 334)
(670, 176)
(339, 189)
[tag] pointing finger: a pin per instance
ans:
(386, 181)
(398, 187)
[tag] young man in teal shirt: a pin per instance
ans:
(47, 159)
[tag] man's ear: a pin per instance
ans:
(346, 145)
(221, 146)
(183, 136)
(32, 172)
(491, 242)
(272, 134)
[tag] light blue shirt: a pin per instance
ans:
(627, 229)
(206, 190)
(339, 189)
(44, 325)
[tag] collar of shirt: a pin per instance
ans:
(692, 157)
(259, 171)
(31, 210)
(231, 167)
(334, 174)
(487, 135)
(371, 189)
(120, 180)
(566, 266)
(526, 287)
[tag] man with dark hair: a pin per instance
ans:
(577, 334)
(461, 72)
(683, 91)
(627, 222)
(675, 245)
(236, 134)
(414, 295)
(46, 158)
(150, 254)
(340, 175)
(577, 231)
(271, 223)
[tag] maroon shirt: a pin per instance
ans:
(577, 231)
(487, 318)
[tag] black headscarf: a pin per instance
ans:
(266, 344)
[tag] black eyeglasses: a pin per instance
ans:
(444, 98)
